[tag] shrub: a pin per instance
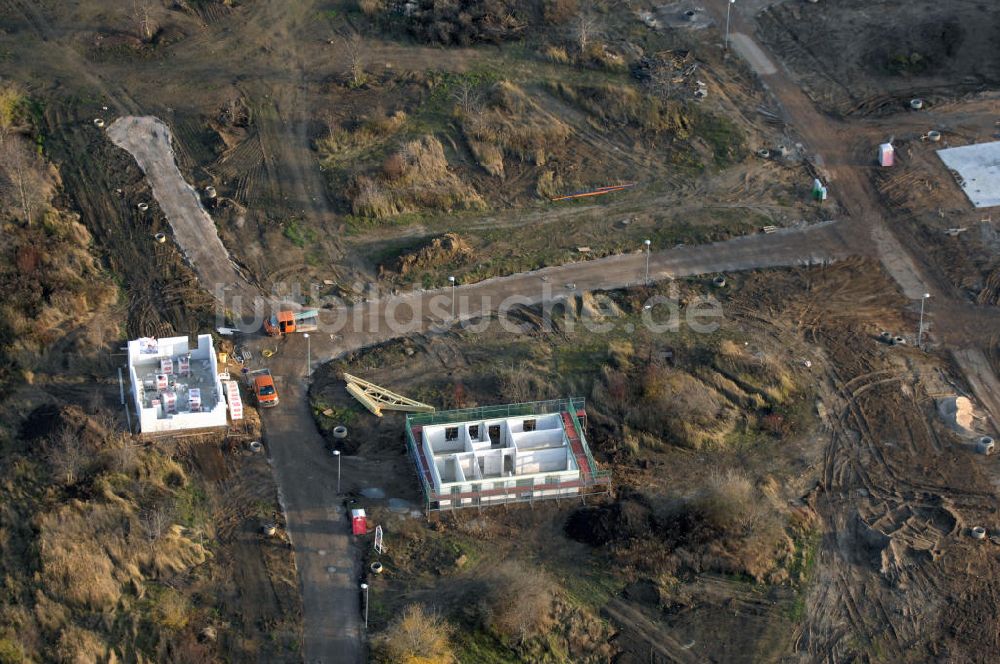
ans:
(420, 179)
(371, 7)
(171, 610)
(517, 602)
(416, 636)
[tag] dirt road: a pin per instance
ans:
(148, 140)
(889, 514)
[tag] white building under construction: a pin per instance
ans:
(502, 454)
(176, 387)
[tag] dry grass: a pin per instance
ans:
(415, 178)
(11, 108)
(549, 185)
(622, 105)
(80, 549)
(172, 610)
(690, 412)
(79, 646)
(509, 125)
(341, 144)
(415, 637)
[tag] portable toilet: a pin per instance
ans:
(359, 522)
(817, 190)
(886, 155)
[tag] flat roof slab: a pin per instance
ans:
(978, 167)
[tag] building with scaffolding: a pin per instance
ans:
(503, 454)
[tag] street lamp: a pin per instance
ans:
(729, 8)
(364, 587)
(308, 355)
(920, 330)
(452, 281)
(647, 243)
(336, 453)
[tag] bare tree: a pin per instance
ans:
(154, 522)
(467, 98)
(144, 25)
(585, 29)
(354, 45)
(23, 179)
(66, 456)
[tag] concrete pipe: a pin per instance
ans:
(99, 122)
(885, 335)
(256, 447)
(377, 568)
(719, 282)
(143, 207)
(916, 104)
(763, 153)
(160, 238)
(985, 445)
(340, 432)
(899, 341)
(933, 136)
(978, 532)
(690, 15)
(210, 192)
(269, 529)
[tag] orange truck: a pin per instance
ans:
(286, 322)
(263, 388)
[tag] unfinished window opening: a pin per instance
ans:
(451, 433)
(474, 432)
(529, 425)
(494, 432)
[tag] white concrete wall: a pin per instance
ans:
(149, 420)
(533, 462)
(551, 421)
(544, 438)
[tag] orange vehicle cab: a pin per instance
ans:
(280, 323)
(263, 387)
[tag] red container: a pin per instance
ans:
(359, 522)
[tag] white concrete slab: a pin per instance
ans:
(978, 167)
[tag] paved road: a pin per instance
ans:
(324, 555)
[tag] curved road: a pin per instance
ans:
(324, 553)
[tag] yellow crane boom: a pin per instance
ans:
(377, 398)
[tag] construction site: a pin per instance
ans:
(505, 331)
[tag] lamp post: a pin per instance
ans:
(920, 330)
(336, 453)
(364, 587)
(451, 280)
(308, 355)
(647, 243)
(729, 9)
